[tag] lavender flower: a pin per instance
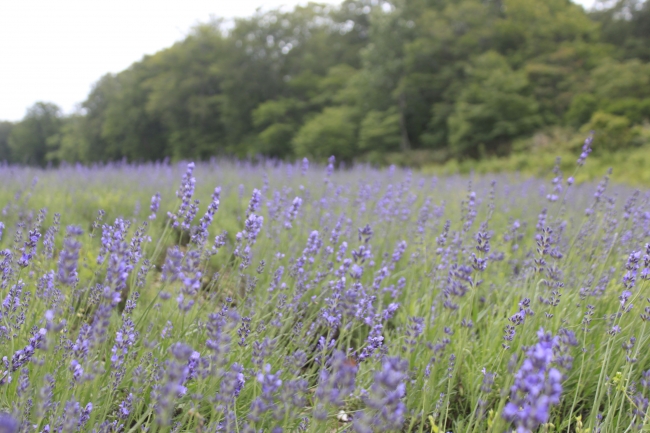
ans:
(155, 205)
(29, 249)
(77, 370)
(397, 254)
(125, 407)
(266, 402)
(67, 273)
(22, 356)
(172, 269)
(254, 204)
(330, 166)
(185, 193)
(50, 233)
(201, 232)
(173, 385)
(8, 424)
(335, 383)
(74, 418)
(124, 338)
(292, 212)
(586, 149)
(231, 385)
(385, 409)
(252, 228)
(537, 387)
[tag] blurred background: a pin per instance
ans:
(452, 85)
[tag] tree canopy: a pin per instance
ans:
(456, 78)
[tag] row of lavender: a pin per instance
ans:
(278, 297)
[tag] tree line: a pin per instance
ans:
(365, 80)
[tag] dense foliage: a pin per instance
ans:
(377, 80)
(284, 297)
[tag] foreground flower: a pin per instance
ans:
(8, 424)
(537, 387)
(385, 409)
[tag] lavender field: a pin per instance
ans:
(274, 297)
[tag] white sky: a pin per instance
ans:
(54, 50)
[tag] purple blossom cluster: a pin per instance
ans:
(537, 386)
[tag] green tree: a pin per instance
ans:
(612, 133)
(332, 132)
(448, 35)
(184, 94)
(582, 107)
(91, 125)
(128, 128)
(628, 79)
(5, 150)
(70, 143)
(380, 132)
(492, 109)
(28, 140)
(625, 24)
(279, 119)
(368, 77)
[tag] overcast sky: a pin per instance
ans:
(54, 50)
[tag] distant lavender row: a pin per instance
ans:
(287, 297)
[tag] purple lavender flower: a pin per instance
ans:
(50, 233)
(124, 338)
(231, 385)
(335, 383)
(304, 166)
(631, 267)
(330, 166)
(537, 387)
(254, 204)
(120, 259)
(125, 407)
(45, 394)
(67, 273)
(398, 253)
(253, 227)
(185, 193)
(218, 329)
(8, 424)
(173, 385)
(172, 270)
(191, 279)
(413, 331)
(13, 299)
(74, 418)
(167, 330)
(200, 235)
(29, 249)
(586, 149)
(267, 401)
(385, 409)
(155, 205)
(22, 356)
(77, 370)
(375, 341)
(292, 212)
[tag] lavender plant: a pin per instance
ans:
(279, 297)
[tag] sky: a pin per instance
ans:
(54, 51)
